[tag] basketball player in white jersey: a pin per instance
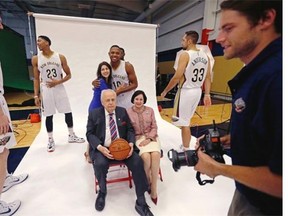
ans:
(124, 79)
(7, 140)
(48, 83)
(192, 71)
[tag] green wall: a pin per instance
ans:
(13, 60)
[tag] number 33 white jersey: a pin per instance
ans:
(196, 70)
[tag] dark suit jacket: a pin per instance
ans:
(96, 128)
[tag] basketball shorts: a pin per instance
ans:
(6, 140)
(54, 99)
(185, 104)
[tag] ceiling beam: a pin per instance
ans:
(152, 8)
(136, 6)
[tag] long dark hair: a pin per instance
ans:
(99, 75)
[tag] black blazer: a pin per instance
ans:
(96, 128)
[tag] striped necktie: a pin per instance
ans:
(112, 127)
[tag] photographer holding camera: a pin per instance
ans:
(252, 31)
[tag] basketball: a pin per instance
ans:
(119, 148)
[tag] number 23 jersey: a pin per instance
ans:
(196, 69)
(49, 67)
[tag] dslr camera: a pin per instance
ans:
(210, 144)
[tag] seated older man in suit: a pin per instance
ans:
(99, 138)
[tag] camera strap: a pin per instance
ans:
(198, 177)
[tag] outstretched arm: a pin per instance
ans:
(183, 61)
(36, 81)
(207, 86)
(4, 122)
(260, 178)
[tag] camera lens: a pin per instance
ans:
(173, 157)
(186, 158)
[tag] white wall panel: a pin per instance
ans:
(187, 17)
(85, 42)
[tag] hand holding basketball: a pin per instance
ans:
(120, 149)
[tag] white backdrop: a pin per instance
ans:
(85, 43)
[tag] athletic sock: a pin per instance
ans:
(71, 131)
(50, 135)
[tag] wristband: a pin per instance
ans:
(35, 96)
(207, 95)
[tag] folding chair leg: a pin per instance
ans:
(130, 178)
(96, 185)
(160, 174)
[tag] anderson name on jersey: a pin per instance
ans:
(196, 69)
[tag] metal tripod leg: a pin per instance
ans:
(198, 114)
